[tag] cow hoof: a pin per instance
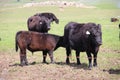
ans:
(67, 62)
(52, 62)
(78, 63)
(26, 63)
(21, 65)
(33, 63)
(44, 62)
(95, 65)
(90, 67)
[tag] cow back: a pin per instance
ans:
(35, 41)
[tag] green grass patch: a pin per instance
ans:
(13, 20)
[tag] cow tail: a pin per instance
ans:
(66, 38)
(16, 40)
(16, 46)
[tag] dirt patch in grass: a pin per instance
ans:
(10, 70)
(107, 50)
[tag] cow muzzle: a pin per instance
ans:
(48, 28)
(99, 43)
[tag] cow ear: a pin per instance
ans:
(87, 32)
(99, 26)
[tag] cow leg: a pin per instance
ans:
(23, 59)
(77, 57)
(44, 56)
(95, 60)
(68, 52)
(51, 56)
(90, 60)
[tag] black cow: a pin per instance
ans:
(50, 16)
(83, 37)
(114, 19)
(34, 41)
(38, 24)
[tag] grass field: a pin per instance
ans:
(13, 18)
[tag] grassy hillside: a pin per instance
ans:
(14, 19)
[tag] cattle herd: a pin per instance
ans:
(81, 37)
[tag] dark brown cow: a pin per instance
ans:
(34, 41)
(114, 20)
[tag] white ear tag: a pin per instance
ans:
(87, 32)
(40, 22)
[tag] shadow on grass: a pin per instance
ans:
(74, 65)
(113, 71)
(18, 64)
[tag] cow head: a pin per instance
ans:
(47, 22)
(95, 34)
(39, 24)
(48, 15)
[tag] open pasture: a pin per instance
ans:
(14, 18)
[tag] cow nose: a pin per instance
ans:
(48, 28)
(99, 43)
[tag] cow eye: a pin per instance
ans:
(40, 22)
(30, 20)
